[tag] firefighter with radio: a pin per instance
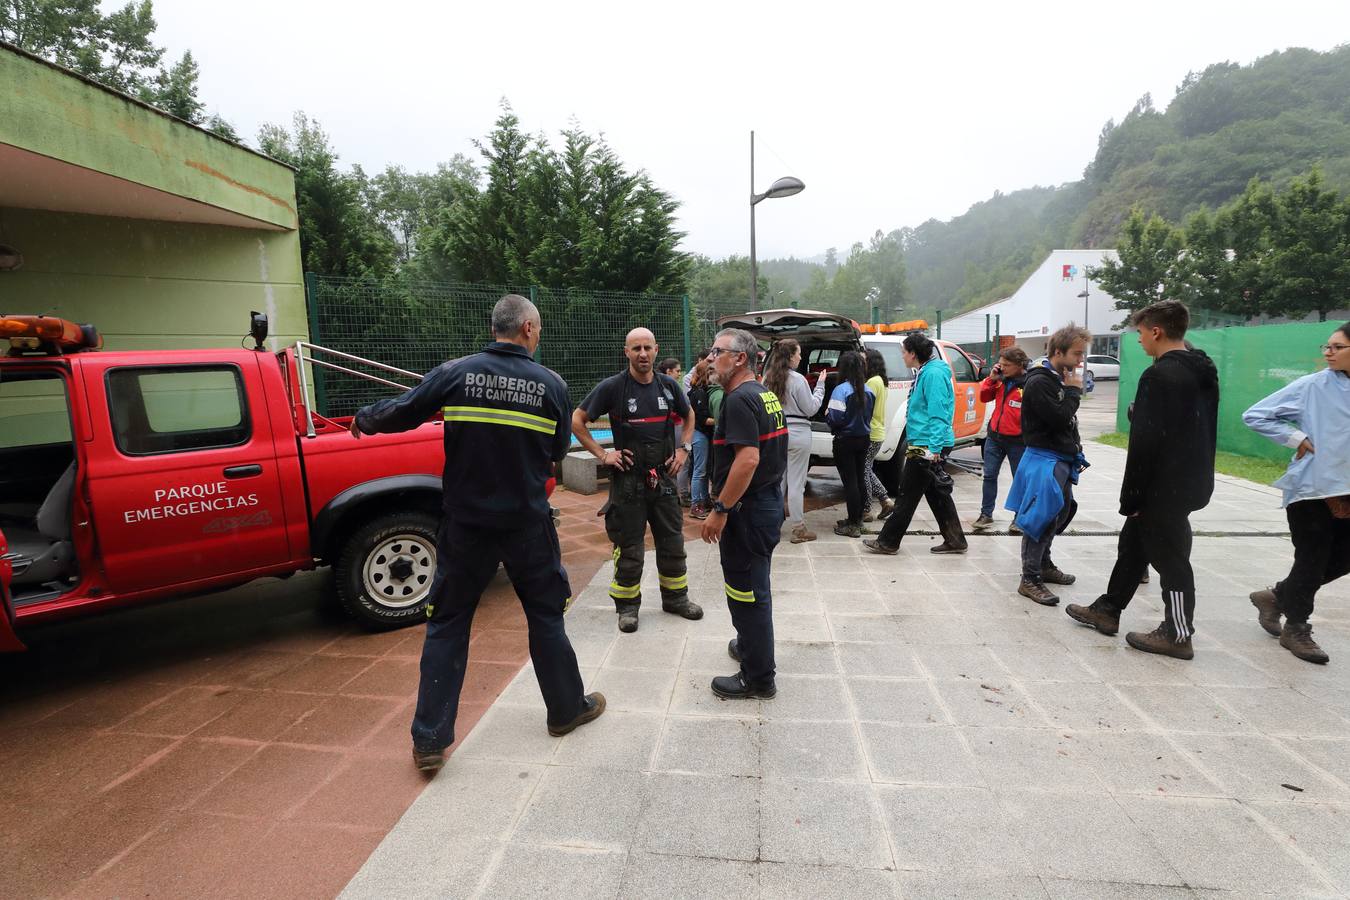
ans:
(644, 409)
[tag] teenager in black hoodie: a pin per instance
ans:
(1169, 473)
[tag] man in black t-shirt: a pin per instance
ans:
(644, 408)
(749, 459)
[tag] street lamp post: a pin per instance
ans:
(783, 187)
(1087, 283)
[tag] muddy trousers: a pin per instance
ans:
(632, 509)
(917, 482)
(1161, 539)
(466, 560)
(1321, 555)
(746, 548)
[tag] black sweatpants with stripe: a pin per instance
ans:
(1161, 539)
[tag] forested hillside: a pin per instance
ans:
(1274, 119)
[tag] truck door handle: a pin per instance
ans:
(243, 471)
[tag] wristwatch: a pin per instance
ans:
(719, 507)
(686, 447)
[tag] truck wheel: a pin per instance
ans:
(384, 570)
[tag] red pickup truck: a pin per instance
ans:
(136, 475)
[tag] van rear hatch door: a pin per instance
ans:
(776, 324)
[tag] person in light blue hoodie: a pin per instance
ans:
(1312, 417)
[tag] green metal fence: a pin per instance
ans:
(975, 334)
(1253, 363)
(419, 325)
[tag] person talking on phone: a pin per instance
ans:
(1042, 488)
(1003, 387)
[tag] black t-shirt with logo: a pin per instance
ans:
(639, 413)
(751, 416)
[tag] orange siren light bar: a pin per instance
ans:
(58, 334)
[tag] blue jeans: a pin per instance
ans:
(996, 449)
(699, 473)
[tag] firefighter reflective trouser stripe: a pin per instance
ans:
(742, 596)
(633, 508)
(488, 416)
(746, 549)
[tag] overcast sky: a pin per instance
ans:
(892, 113)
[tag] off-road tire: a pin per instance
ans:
(361, 577)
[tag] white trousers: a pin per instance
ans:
(798, 461)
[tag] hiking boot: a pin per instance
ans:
(878, 547)
(887, 507)
(982, 523)
(868, 517)
(591, 707)
(628, 621)
(1160, 641)
(1296, 637)
(945, 547)
(684, 607)
(853, 531)
(1013, 529)
(1053, 575)
(428, 760)
(801, 534)
(1097, 616)
(1034, 590)
(1267, 611)
(734, 649)
(699, 510)
(735, 687)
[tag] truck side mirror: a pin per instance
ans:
(257, 329)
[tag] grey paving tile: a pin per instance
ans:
(652, 876)
(924, 820)
(782, 881)
(805, 658)
(996, 702)
(884, 660)
(821, 823)
(618, 740)
(636, 690)
(595, 808)
(1044, 663)
(700, 815)
(707, 654)
(867, 629)
(922, 886)
(1143, 763)
(487, 796)
(1216, 844)
(800, 627)
(709, 746)
(817, 697)
(441, 869)
(796, 601)
(1063, 889)
(909, 754)
(518, 733)
(555, 872)
(1220, 668)
(813, 751)
(1284, 713)
(1065, 835)
(952, 661)
(645, 651)
(1321, 831)
(1037, 630)
(1032, 759)
(900, 702)
(1084, 706)
(1254, 767)
(1331, 756)
(694, 697)
(1178, 707)
(1118, 664)
(935, 629)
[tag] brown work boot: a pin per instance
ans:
(683, 607)
(848, 530)
(878, 547)
(1296, 637)
(1097, 616)
(1053, 575)
(801, 534)
(429, 761)
(1159, 640)
(1267, 610)
(945, 547)
(591, 707)
(1034, 590)
(887, 507)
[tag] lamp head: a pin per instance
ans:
(784, 187)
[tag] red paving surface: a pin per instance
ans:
(244, 744)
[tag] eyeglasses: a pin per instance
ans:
(1334, 348)
(718, 351)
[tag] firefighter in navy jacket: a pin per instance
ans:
(506, 425)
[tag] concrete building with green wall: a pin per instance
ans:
(158, 232)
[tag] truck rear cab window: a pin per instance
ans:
(171, 409)
(962, 368)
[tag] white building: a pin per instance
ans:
(1049, 299)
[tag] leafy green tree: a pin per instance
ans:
(115, 49)
(1310, 250)
(724, 285)
(175, 90)
(1204, 272)
(220, 127)
(338, 234)
(1148, 266)
(1246, 224)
